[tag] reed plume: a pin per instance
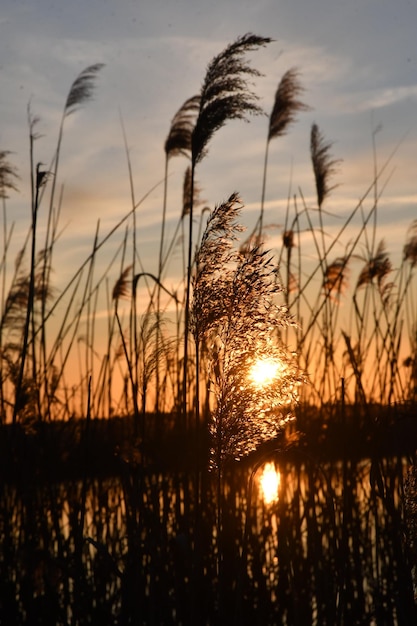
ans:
(13, 314)
(121, 287)
(225, 93)
(336, 277)
(120, 290)
(284, 112)
(81, 92)
(324, 165)
(179, 137)
(82, 89)
(286, 105)
(26, 290)
(288, 239)
(214, 255)
(8, 174)
(377, 267)
(410, 247)
(234, 314)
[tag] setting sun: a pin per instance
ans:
(264, 371)
(269, 481)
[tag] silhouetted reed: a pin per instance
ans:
(158, 517)
(284, 112)
(324, 166)
(224, 95)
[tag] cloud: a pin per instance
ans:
(388, 97)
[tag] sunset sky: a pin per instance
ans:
(357, 62)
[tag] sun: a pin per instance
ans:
(264, 371)
(269, 481)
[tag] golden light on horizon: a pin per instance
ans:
(269, 482)
(265, 370)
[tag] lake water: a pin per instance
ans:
(335, 547)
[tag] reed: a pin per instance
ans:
(284, 112)
(103, 518)
(225, 95)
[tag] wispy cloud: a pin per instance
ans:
(388, 96)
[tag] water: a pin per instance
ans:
(332, 549)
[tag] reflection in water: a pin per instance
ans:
(269, 481)
(330, 546)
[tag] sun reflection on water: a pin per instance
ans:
(269, 482)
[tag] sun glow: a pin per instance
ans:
(264, 371)
(269, 481)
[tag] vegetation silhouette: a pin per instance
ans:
(115, 512)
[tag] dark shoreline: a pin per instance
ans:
(69, 450)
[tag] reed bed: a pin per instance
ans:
(176, 530)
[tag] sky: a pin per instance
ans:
(357, 62)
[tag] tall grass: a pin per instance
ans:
(378, 305)
(176, 515)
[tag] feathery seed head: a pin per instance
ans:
(82, 88)
(225, 93)
(120, 289)
(8, 174)
(335, 278)
(41, 176)
(182, 126)
(235, 316)
(288, 239)
(286, 104)
(323, 164)
(377, 267)
(410, 248)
